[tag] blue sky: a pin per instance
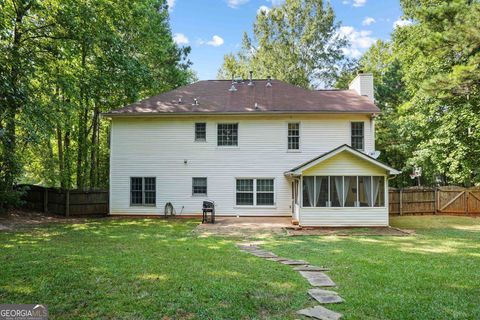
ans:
(214, 28)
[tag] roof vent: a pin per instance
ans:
(250, 82)
(256, 106)
(269, 81)
(180, 100)
(232, 88)
(195, 102)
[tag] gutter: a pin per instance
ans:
(212, 113)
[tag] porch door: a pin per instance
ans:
(295, 199)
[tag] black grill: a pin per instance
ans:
(208, 207)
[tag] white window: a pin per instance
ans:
(294, 136)
(227, 134)
(255, 192)
(343, 191)
(199, 186)
(142, 191)
(200, 131)
(358, 135)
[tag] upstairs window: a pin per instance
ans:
(200, 131)
(358, 135)
(294, 136)
(227, 134)
(142, 191)
(199, 186)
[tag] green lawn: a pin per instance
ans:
(152, 268)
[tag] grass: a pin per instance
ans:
(152, 268)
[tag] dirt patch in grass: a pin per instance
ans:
(345, 232)
(17, 219)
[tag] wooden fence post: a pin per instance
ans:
(45, 200)
(67, 203)
(435, 206)
(400, 201)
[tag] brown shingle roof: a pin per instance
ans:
(213, 96)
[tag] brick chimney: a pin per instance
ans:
(363, 85)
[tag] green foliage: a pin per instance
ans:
(62, 63)
(427, 82)
(297, 42)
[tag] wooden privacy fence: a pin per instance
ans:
(66, 202)
(443, 200)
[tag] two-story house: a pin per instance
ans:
(256, 148)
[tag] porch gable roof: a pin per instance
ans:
(343, 148)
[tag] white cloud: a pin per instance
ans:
(216, 41)
(359, 40)
(180, 38)
(368, 21)
(263, 9)
(401, 23)
(171, 4)
(355, 3)
(236, 3)
(276, 3)
(359, 3)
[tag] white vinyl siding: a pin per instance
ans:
(165, 148)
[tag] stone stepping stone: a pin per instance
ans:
(310, 268)
(247, 247)
(294, 262)
(318, 279)
(319, 312)
(264, 254)
(325, 296)
(278, 259)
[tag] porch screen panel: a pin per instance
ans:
(321, 190)
(350, 191)
(308, 191)
(336, 191)
(379, 191)
(365, 191)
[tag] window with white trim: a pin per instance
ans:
(343, 191)
(200, 131)
(255, 192)
(142, 191)
(294, 136)
(227, 134)
(199, 186)
(358, 135)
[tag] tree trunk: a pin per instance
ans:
(93, 150)
(68, 167)
(61, 163)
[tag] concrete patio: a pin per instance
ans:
(245, 226)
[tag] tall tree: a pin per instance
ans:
(62, 63)
(297, 42)
(440, 57)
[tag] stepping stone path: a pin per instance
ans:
(314, 276)
(325, 296)
(294, 262)
(318, 278)
(310, 268)
(319, 312)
